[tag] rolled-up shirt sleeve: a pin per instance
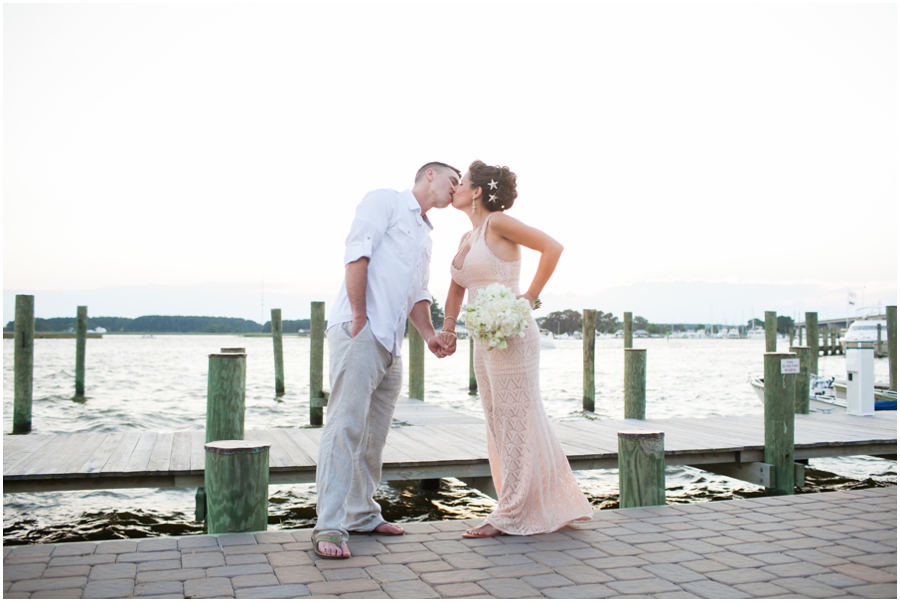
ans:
(368, 228)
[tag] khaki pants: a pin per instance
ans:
(365, 383)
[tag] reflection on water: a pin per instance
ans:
(160, 384)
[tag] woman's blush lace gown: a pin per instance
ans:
(537, 491)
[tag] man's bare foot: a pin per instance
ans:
(483, 531)
(389, 529)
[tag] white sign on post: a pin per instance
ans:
(790, 366)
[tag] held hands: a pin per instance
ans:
(439, 346)
(450, 339)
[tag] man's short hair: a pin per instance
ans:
(436, 165)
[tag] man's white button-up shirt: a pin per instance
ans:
(391, 231)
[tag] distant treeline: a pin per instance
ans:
(179, 324)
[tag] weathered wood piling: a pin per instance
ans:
(780, 372)
(642, 469)
(812, 340)
(81, 323)
(225, 396)
(317, 398)
(23, 364)
(236, 481)
(626, 331)
(278, 348)
(801, 394)
(636, 383)
(771, 331)
(416, 362)
(892, 344)
(588, 344)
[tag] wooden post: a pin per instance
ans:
(473, 382)
(626, 327)
(636, 383)
(316, 363)
(81, 322)
(642, 469)
(892, 344)
(771, 331)
(780, 387)
(236, 483)
(23, 364)
(416, 362)
(812, 340)
(588, 343)
(801, 395)
(878, 340)
(225, 396)
(791, 334)
(233, 350)
(278, 346)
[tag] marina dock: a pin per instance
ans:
(429, 442)
(820, 545)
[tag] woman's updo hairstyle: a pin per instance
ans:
(501, 195)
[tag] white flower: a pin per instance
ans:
(496, 315)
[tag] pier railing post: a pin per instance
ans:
(771, 331)
(642, 469)
(23, 364)
(81, 323)
(636, 383)
(780, 372)
(812, 340)
(317, 399)
(892, 344)
(236, 484)
(278, 347)
(416, 362)
(225, 396)
(588, 343)
(791, 334)
(626, 330)
(801, 394)
(473, 382)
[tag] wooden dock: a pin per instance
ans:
(429, 442)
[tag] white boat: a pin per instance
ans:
(865, 331)
(547, 340)
(757, 332)
(733, 333)
(823, 395)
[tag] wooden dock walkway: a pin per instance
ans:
(431, 443)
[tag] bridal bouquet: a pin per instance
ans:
(496, 315)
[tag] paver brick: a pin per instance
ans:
(735, 576)
(119, 570)
(447, 547)
(258, 580)
(553, 559)
(762, 589)
(713, 589)
(808, 587)
(540, 582)
(865, 573)
(273, 537)
(18, 572)
(159, 544)
(387, 573)
(410, 589)
(343, 574)
(240, 569)
(288, 575)
(343, 587)
(881, 591)
(277, 559)
(245, 559)
(468, 560)
(198, 541)
(504, 549)
(176, 575)
(159, 588)
(237, 539)
(405, 557)
(518, 570)
(432, 566)
(457, 576)
(876, 560)
(274, 591)
(508, 588)
(58, 594)
(26, 554)
(148, 556)
(510, 559)
(459, 590)
(579, 591)
(74, 549)
(35, 585)
(202, 560)
(613, 562)
(210, 587)
(366, 547)
(734, 560)
(583, 575)
(77, 570)
(323, 564)
(795, 569)
(159, 565)
(121, 546)
(112, 588)
(83, 560)
(256, 548)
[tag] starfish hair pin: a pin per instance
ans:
(492, 198)
(493, 184)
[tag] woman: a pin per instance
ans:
(536, 489)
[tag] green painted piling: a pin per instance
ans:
(81, 323)
(416, 362)
(588, 344)
(892, 344)
(779, 391)
(771, 331)
(233, 350)
(225, 396)
(636, 383)
(791, 334)
(236, 484)
(23, 364)
(278, 347)
(642, 469)
(801, 394)
(317, 399)
(473, 382)
(812, 340)
(626, 329)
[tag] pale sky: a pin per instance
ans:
(174, 146)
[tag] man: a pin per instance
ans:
(386, 266)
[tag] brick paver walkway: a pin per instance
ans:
(824, 545)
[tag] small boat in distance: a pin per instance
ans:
(547, 341)
(757, 332)
(823, 395)
(865, 331)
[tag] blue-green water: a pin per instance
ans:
(159, 384)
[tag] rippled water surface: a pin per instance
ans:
(159, 384)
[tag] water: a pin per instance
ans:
(159, 384)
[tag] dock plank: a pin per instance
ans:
(295, 453)
(180, 462)
(35, 462)
(102, 453)
(198, 452)
(118, 459)
(21, 449)
(140, 457)
(161, 454)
